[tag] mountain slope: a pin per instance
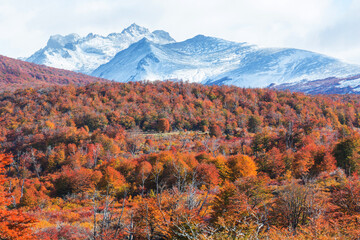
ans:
(19, 74)
(85, 54)
(210, 60)
(333, 85)
(192, 60)
(265, 67)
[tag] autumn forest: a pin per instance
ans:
(174, 160)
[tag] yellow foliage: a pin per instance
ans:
(87, 225)
(70, 205)
(49, 124)
(43, 224)
(72, 217)
(241, 166)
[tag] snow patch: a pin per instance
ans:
(350, 83)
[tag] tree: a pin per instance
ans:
(295, 205)
(275, 162)
(303, 161)
(254, 123)
(13, 223)
(163, 125)
(241, 166)
(208, 174)
(347, 196)
(346, 153)
(215, 131)
(76, 181)
(92, 120)
(112, 179)
(232, 214)
(324, 161)
(223, 200)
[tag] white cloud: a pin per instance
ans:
(326, 26)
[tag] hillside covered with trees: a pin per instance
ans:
(16, 74)
(169, 160)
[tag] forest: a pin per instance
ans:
(15, 74)
(174, 160)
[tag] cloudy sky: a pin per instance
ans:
(326, 26)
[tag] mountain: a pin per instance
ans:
(85, 54)
(19, 74)
(332, 85)
(137, 54)
(193, 60)
(211, 60)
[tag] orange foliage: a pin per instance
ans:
(89, 162)
(13, 223)
(241, 166)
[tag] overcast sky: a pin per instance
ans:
(331, 27)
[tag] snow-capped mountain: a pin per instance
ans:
(85, 54)
(193, 60)
(137, 54)
(211, 60)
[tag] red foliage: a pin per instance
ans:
(13, 223)
(208, 174)
(19, 74)
(88, 160)
(64, 232)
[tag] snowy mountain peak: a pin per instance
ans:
(91, 36)
(200, 37)
(206, 39)
(85, 54)
(59, 41)
(201, 44)
(141, 46)
(135, 30)
(143, 41)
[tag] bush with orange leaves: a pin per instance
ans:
(241, 166)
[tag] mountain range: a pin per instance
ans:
(85, 54)
(137, 54)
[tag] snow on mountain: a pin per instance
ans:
(211, 60)
(332, 85)
(192, 60)
(265, 67)
(84, 54)
(137, 54)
